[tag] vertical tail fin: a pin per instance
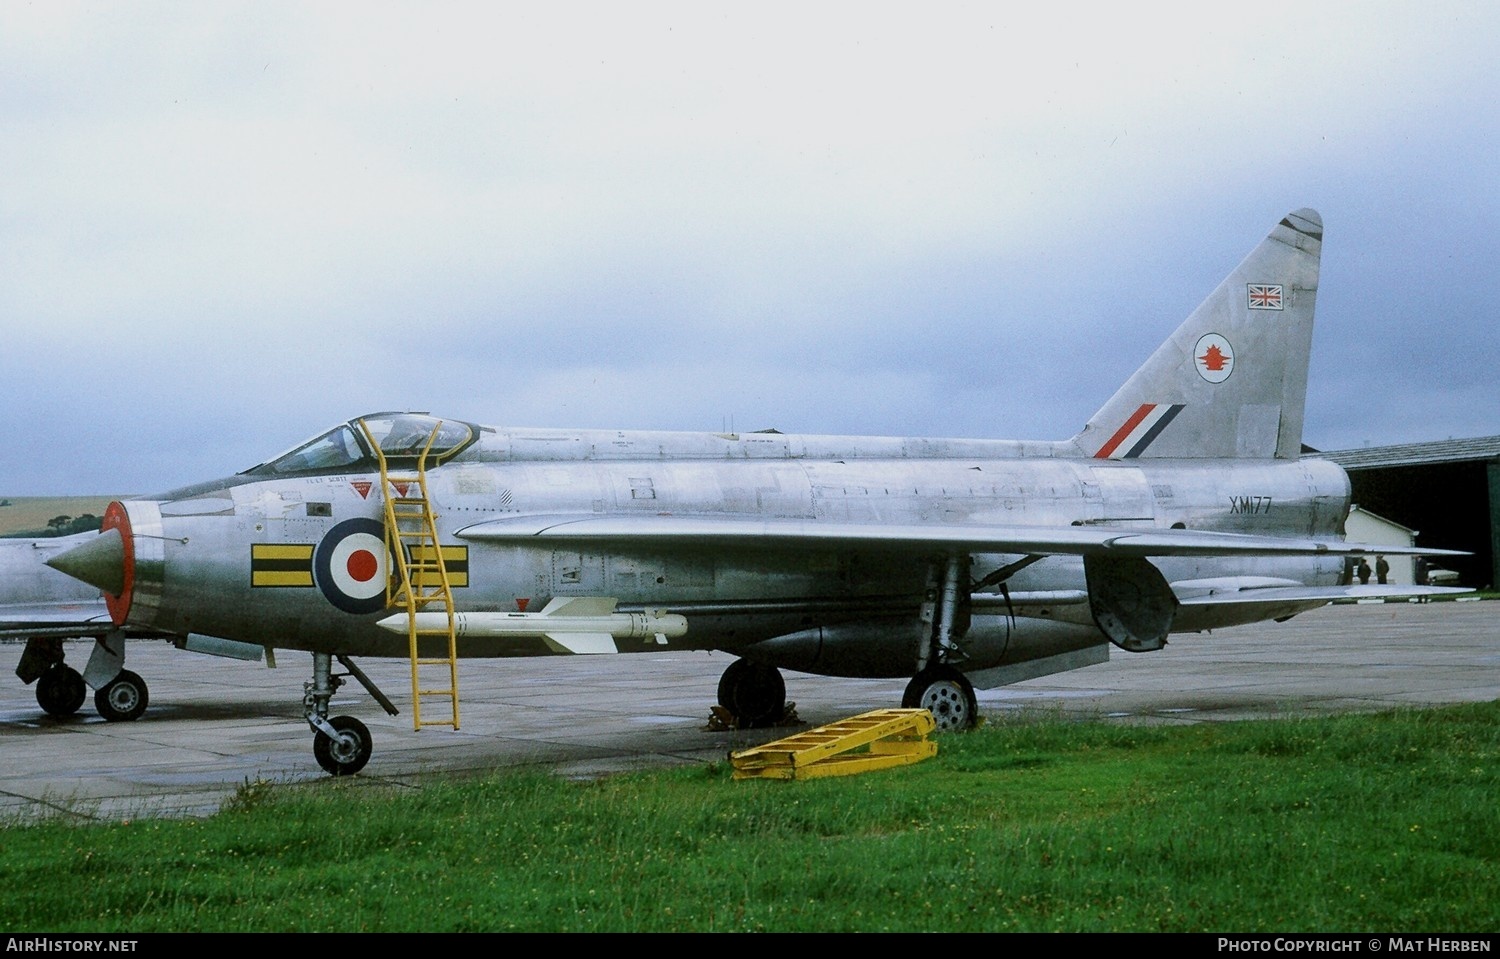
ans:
(1232, 381)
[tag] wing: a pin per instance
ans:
(1251, 589)
(61, 620)
(717, 531)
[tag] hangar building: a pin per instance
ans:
(1448, 491)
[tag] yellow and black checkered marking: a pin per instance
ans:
(455, 561)
(280, 564)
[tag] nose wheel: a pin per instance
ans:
(341, 745)
(347, 750)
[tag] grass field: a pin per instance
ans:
(28, 515)
(1363, 823)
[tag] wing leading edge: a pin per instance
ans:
(1240, 590)
(720, 531)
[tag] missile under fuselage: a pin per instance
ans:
(584, 624)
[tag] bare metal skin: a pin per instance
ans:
(1182, 505)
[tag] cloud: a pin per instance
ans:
(226, 229)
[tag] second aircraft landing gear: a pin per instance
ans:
(122, 698)
(60, 691)
(120, 695)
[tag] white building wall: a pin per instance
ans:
(1364, 526)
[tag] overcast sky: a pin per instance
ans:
(226, 227)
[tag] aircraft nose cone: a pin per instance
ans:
(99, 562)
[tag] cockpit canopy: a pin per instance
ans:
(349, 448)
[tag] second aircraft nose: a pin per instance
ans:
(99, 562)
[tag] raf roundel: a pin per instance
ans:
(1213, 357)
(350, 566)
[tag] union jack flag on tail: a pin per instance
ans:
(1263, 296)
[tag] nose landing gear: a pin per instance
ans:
(341, 745)
(345, 750)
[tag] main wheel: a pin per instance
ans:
(347, 754)
(122, 698)
(60, 690)
(947, 694)
(753, 692)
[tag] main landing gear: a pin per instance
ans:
(947, 694)
(341, 745)
(938, 686)
(754, 693)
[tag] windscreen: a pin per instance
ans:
(334, 450)
(401, 436)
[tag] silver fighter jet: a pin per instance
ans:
(1182, 505)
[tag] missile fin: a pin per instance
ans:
(581, 643)
(580, 606)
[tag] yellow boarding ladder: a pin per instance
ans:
(418, 581)
(869, 741)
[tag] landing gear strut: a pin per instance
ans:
(755, 694)
(939, 687)
(341, 745)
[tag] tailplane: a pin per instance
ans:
(1232, 381)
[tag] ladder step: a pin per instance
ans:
(874, 740)
(418, 579)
